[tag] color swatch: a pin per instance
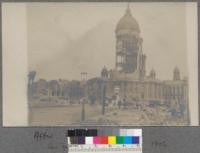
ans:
(105, 140)
(104, 136)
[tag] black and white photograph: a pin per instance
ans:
(100, 64)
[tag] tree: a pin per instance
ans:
(31, 77)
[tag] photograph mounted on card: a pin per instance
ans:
(100, 64)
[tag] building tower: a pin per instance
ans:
(129, 56)
(104, 73)
(176, 75)
(152, 74)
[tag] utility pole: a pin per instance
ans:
(83, 78)
(83, 111)
(103, 97)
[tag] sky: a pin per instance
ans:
(65, 39)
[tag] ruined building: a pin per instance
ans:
(129, 79)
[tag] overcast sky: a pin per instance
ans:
(66, 39)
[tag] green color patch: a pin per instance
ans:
(120, 140)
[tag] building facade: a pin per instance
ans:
(129, 80)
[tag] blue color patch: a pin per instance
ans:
(127, 140)
(135, 140)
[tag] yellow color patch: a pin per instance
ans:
(111, 139)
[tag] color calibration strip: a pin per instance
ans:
(105, 140)
(104, 136)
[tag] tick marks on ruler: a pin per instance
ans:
(42, 135)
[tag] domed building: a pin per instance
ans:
(128, 79)
(128, 22)
(129, 56)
